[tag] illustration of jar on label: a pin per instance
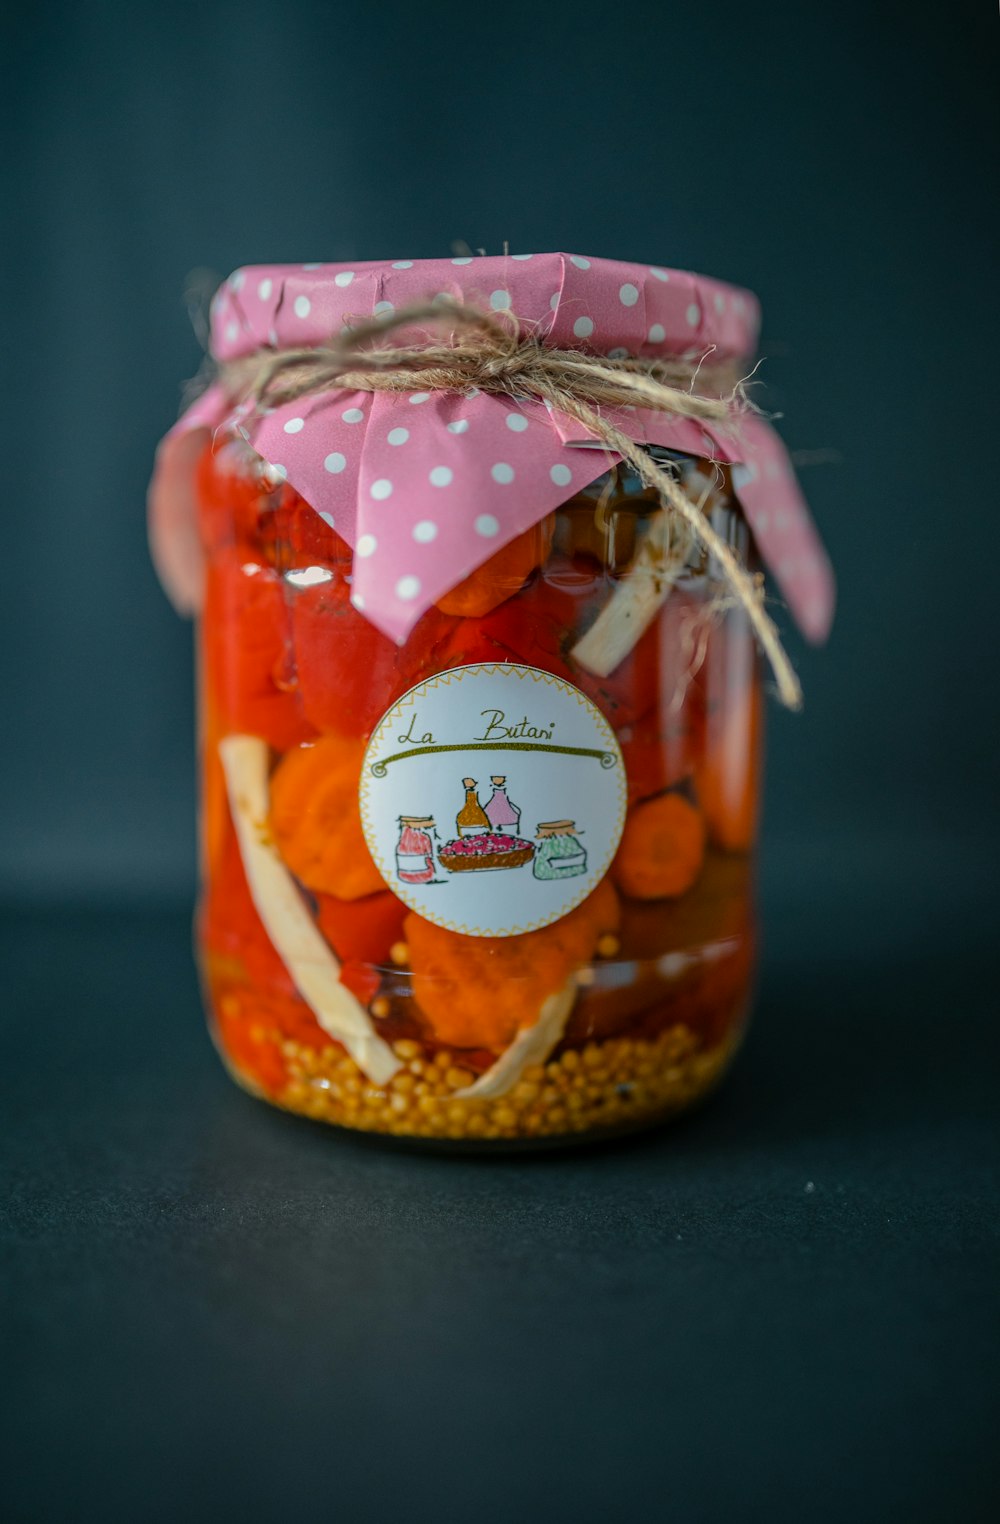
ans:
(503, 816)
(415, 849)
(559, 854)
(471, 818)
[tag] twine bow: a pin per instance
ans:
(490, 354)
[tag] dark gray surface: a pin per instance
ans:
(215, 1312)
(837, 158)
(783, 1309)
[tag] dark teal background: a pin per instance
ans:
(840, 160)
(783, 1310)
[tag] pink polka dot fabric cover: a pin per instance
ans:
(425, 487)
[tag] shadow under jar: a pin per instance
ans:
(658, 958)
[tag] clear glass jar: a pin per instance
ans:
(659, 957)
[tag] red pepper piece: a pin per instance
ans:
(658, 753)
(231, 498)
(361, 979)
(349, 672)
(229, 924)
(663, 746)
(361, 930)
(249, 664)
(729, 770)
(309, 539)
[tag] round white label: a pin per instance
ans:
(493, 798)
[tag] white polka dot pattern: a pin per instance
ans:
(625, 303)
(426, 486)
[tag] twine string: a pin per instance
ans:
(489, 353)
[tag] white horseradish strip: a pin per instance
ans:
(639, 597)
(312, 965)
(637, 600)
(532, 1045)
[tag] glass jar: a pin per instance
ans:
(415, 849)
(559, 854)
(644, 984)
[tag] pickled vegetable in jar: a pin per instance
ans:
(515, 588)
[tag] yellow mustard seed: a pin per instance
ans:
(603, 1085)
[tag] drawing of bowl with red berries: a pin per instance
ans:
(485, 850)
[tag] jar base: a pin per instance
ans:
(514, 1124)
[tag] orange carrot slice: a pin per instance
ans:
(316, 821)
(477, 992)
(661, 850)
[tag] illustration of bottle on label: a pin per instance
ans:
(504, 816)
(471, 818)
(559, 854)
(415, 849)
